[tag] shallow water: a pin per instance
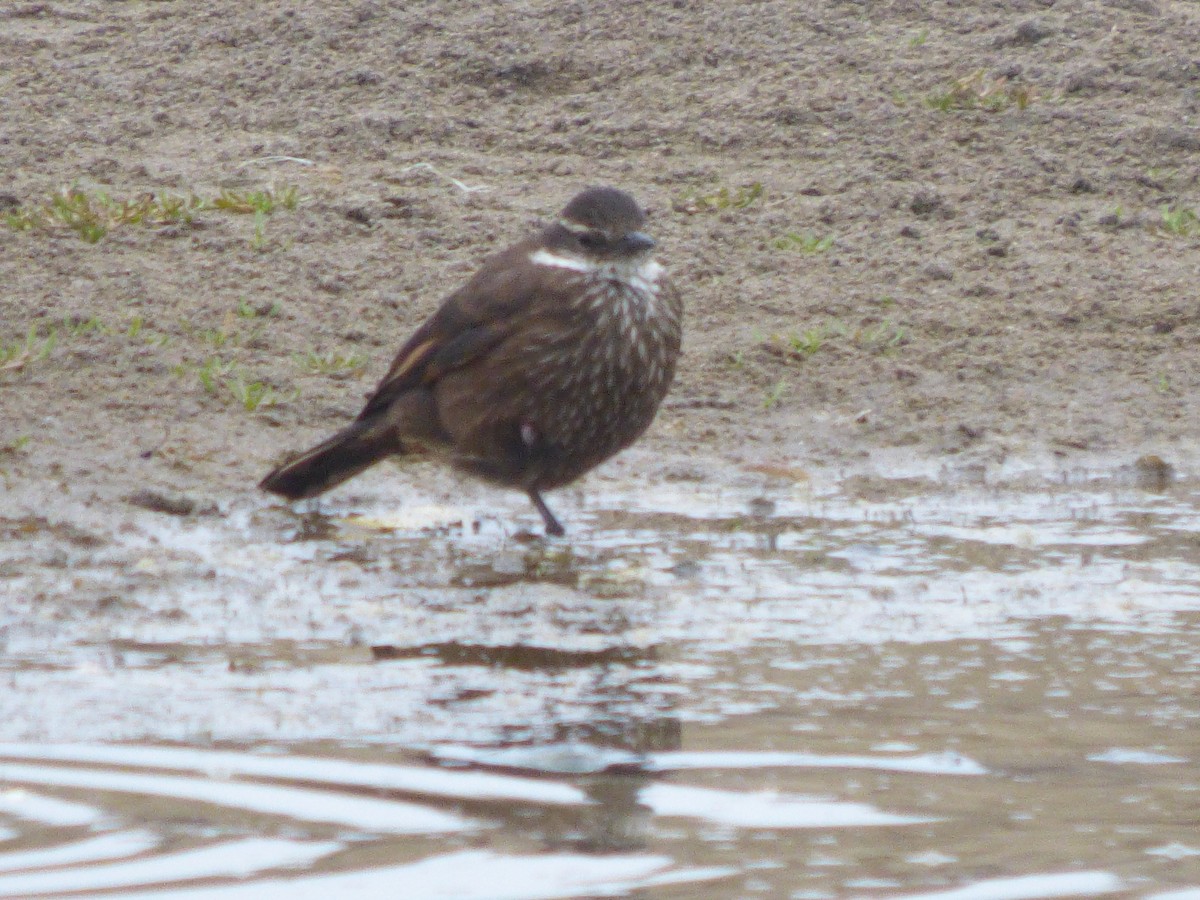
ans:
(858, 689)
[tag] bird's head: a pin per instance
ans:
(600, 225)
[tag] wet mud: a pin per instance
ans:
(846, 688)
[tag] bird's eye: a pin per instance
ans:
(591, 240)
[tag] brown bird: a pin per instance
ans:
(551, 359)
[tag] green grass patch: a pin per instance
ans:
(809, 341)
(225, 380)
(16, 445)
(32, 348)
(263, 202)
(803, 243)
(880, 337)
(215, 337)
(242, 325)
(978, 91)
(723, 198)
(41, 340)
(247, 310)
(331, 363)
(211, 374)
(1179, 221)
(217, 374)
(250, 394)
(78, 326)
(774, 395)
(92, 215)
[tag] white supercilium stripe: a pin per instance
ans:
(574, 263)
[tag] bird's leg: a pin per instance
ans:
(553, 527)
(530, 438)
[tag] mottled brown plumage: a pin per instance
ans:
(552, 358)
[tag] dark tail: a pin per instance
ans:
(330, 463)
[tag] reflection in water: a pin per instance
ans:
(1033, 887)
(514, 657)
(106, 847)
(612, 817)
(874, 690)
(617, 822)
(222, 859)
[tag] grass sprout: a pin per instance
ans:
(16, 445)
(251, 395)
(881, 337)
(212, 374)
(977, 91)
(263, 202)
(225, 380)
(247, 310)
(809, 341)
(804, 243)
(92, 215)
(722, 198)
(76, 327)
(774, 394)
(330, 363)
(1179, 221)
(32, 348)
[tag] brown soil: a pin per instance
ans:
(998, 285)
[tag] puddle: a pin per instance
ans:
(961, 692)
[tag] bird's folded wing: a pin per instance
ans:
(471, 322)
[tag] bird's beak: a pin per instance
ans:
(638, 242)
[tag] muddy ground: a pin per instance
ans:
(958, 251)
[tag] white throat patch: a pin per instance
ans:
(642, 275)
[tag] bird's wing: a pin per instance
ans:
(471, 321)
